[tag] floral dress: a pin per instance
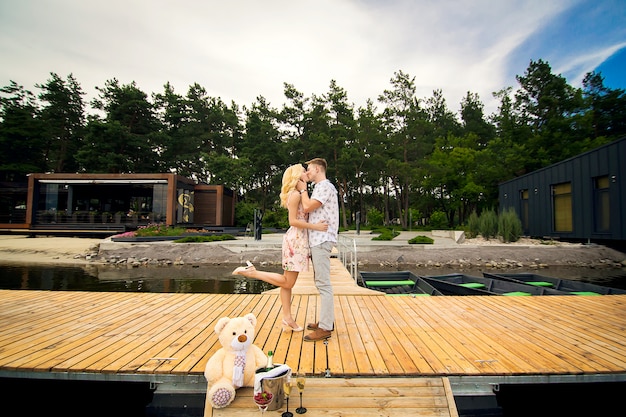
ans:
(296, 244)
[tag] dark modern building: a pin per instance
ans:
(582, 198)
(114, 202)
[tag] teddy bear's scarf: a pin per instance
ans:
(240, 364)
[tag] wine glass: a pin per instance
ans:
(263, 400)
(300, 380)
(287, 389)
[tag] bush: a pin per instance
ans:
(489, 224)
(385, 234)
(509, 226)
(200, 239)
(159, 230)
(473, 225)
(374, 217)
(424, 240)
(244, 213)
(438, 220)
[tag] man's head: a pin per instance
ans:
(316, 170)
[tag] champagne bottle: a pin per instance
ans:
(270, 361)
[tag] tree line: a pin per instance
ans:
(400, 156)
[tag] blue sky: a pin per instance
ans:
(242, 49)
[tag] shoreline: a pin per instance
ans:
(445, 252)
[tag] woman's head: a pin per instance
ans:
(291, 176)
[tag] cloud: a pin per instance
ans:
(239, 50)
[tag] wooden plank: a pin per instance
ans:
(124, 332)
(359, 397)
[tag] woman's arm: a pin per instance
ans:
(308, 204)
(301, 224)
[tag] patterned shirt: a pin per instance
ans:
(325, 193)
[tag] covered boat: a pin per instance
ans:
(397, 283)
(566, 285)
(461, 284)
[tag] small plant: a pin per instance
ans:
(424, 240)
(473, 225)
(159, 230)
(509, 226)
(374, 217)
(488, 224)
(201, 239)
(386, 234)
(438, 220)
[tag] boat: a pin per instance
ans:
(462, 284)
(397, 283)
(566, 285)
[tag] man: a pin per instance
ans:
(322, 206)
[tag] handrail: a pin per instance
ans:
(347, 253)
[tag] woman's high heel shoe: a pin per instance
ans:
(286, 327)
(241, 269)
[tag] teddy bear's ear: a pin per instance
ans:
(251, 318)
(221, 323)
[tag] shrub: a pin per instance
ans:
(200, 239)
(438, 220)
(386, 234)
(159, 230)
(488, 224)
(509, 226)
(374, 217)
(473, 225)
(424, 240)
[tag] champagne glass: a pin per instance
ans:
(263, 400)
(287, 389)
(300, 380)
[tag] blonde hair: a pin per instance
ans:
(291, 177)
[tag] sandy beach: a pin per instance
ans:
(81, 251)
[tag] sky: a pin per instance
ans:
(240, 50)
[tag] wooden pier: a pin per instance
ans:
(167, 338)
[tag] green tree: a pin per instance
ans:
(20, 134)
(62, 121)
(125, 140)
(262, 151)
(607, 108)
(552, 109)
(405, 129)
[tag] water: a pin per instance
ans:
(218, 279)
(100, 278)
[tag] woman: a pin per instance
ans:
(295, 253)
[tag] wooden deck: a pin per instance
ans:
(168, 337)
(360, 397)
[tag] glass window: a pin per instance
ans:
(562, 204)
(524, 208)
(601, 202)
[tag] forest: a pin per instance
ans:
(400, 157)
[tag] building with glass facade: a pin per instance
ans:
(118, 202)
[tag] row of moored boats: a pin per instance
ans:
(521, 284)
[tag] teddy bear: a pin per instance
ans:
(235, 363)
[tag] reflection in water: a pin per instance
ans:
(183, 279)
(218, 279)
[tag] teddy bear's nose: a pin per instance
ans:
(242, 338)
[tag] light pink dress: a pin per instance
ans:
(296, 244)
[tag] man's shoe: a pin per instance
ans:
(319, 334)
(315, 326)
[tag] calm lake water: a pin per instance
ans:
(218, 279)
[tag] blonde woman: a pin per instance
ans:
(295, 253)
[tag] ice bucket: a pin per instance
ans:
(274, 385)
